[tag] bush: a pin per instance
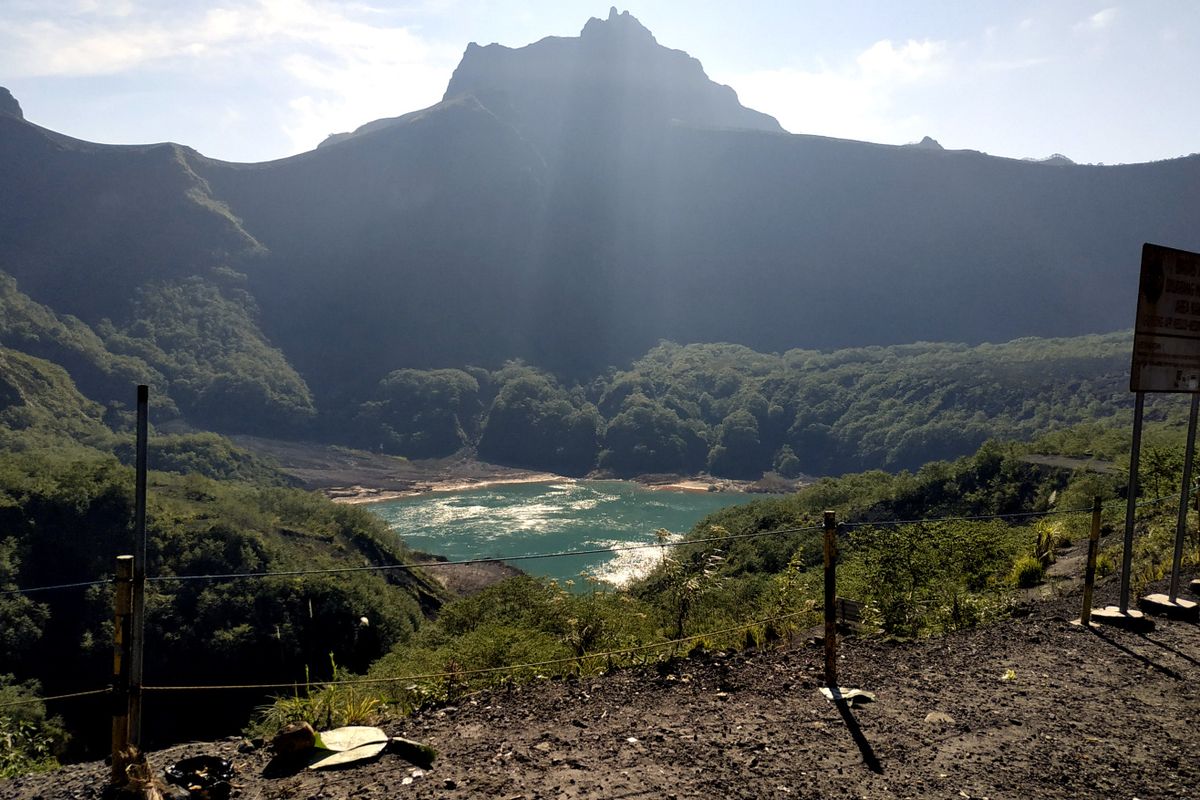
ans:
(29, 741)
(1027, 571)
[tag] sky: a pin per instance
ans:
(1100, 81)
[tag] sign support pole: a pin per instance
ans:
(1181, 526)
(1089, 577)
(1131, 499)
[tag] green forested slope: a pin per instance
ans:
(39, 404)
(66, 514)
(721, 408)
(874, 407)
(734, 412)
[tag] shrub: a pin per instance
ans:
(1027, 571)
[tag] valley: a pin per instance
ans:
(511, 423)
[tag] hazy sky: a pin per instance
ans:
(248, 80)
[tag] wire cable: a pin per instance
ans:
(32, 700)
(488, 560)
(985, 517)
(55, 586)
(568, 553)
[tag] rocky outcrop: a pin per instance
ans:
(613, 74)
(9, 107)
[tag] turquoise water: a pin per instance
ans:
(517, 519)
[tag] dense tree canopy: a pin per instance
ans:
(423, 414)
(535, 422)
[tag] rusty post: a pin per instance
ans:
(1089, 577)
(122, 641)
(831, 599)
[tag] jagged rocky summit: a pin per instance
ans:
(9, 106)
(615, 73)
(926, 143)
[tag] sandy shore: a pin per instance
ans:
(699, 484)
(367, 494)
(357, 476)
(770, 484)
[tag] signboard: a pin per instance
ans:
(1166, 335)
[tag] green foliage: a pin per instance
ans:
(919, 579)
(1026, 571)
(648, 437)
(65, 518)
(39, 397)
(24, 748)
(422, 414)
(535, 422)
(29, 741)
(734, 412)
(914, 579)
(890, 407)
(222, 370)
(682, 409)
(206, 454)
(64, 340)
(680, 589)
(323, 706)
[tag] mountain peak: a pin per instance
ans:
(619, 26)
(926, 143)
(9, 107)
(615, 74)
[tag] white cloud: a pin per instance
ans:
(858, 100)
(97, 42)
(1012, 64)
(883, 63)
(1098, 21)
(337, 65)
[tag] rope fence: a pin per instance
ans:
(606, 654)
(81, 584)
(526, 557)
(31, 700)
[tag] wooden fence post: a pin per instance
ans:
(831, 600)
(122, 659)
(1089, 577)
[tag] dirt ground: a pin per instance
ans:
(1033, 707)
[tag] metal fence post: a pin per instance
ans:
(831, 600)
(1135, 452)
(138, 624)
(1089, 578)
(1181, 526)
(122, 659)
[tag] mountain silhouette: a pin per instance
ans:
(571, 203)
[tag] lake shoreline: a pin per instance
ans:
(579, 531)
(359, 495)
(356, 477)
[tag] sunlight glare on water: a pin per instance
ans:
(519, 519)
